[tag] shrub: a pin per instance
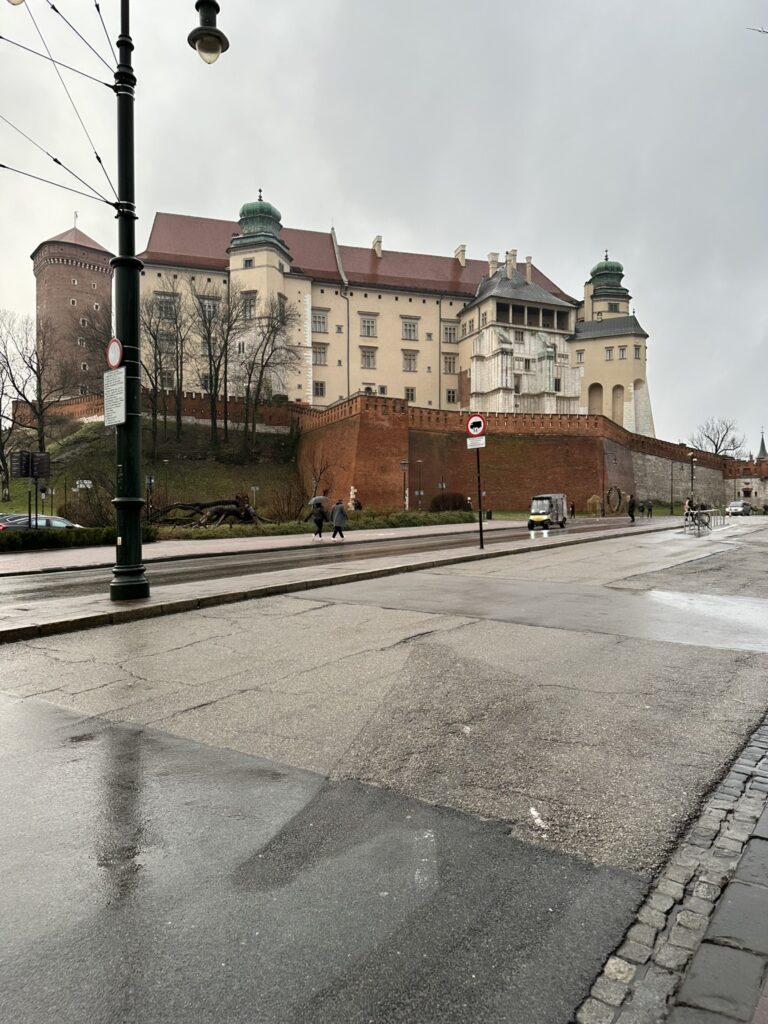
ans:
(36, 540)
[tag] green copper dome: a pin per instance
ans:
(259, 225)
(606, 266)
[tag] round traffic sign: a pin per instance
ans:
(476, 425)
(114, 353)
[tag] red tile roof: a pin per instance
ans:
(201, 243)
(76, 237)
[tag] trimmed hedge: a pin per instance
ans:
(92, 536)
(357, 521)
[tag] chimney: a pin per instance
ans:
(493, 263)
(461, 254)
(511, 261)
(528, 260)
(376, 245)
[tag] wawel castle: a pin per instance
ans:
(446, 332)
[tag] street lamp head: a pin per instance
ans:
(209, 41)
(404, 464)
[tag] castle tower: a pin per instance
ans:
(609, 347)
(73, 298)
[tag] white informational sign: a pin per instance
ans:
(114, 397)
(475, 442)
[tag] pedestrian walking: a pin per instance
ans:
(572, 510)
(338, 519)
(649, 509)
(631, 506)
(318, 517)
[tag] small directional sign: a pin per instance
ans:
(475, 442)
(476, 425)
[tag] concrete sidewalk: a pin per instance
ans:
(38, 618)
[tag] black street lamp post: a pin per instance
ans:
(129, 581)
(418, 463)
(693, 463)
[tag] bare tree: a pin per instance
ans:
(158, 347)
(7, 426)
(216, 321)
(718, 435)
(39, 370)
(266, 354)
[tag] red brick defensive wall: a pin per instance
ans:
(366, 437)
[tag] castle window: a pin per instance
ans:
(339, 328)
(409, 362)
(450, 333)
(93, 285)
(449, 364)
(382, 389)
(318, 388)
(84, 366)
(613, 307)
(319, 355)
(464, 329)
(410, 330)
(622, 351)
(83, 321)
(451, 396)
(319, 323)
(73, 302)
(96, 306)
(558, 384)
(367, 326)
(483, 319)
(248, 264)
(638, 352)
(519, 336)
(167, 379)
(580, 356)
(81, 342)
(609, 354)
(410, 394)
(249, 305)
(429, 335)
(368, 358)
(527, 364)
(74, 280)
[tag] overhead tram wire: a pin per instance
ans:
(109, 41)
(47, 181)
(93, 50)
(60, 63)
(96, 193)
(74, 105)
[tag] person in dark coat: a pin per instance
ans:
(572, 510)
(338, 519)
(631, 506)
(318, 517)
(649, 509)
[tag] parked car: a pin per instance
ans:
(18, 521)
(738, 508)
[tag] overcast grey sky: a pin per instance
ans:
(559, 128)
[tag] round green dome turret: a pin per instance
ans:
(605, 278)
(259, 225)
(607, 266)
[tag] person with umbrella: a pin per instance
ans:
(318, 516)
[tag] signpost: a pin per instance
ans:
(476, 427)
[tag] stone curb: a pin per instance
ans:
(131, 611)
(695, 912)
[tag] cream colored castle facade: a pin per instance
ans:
(492, 335)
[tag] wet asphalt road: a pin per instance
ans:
(148, 878)
(92, 581)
